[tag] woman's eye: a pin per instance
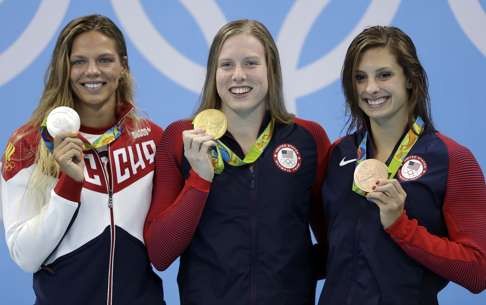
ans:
(105, 60)
(385, 75)
(225, 65)
(77, 62)
(359, 77)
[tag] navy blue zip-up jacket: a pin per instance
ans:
(244, 238)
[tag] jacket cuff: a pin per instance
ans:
(68, 188)
(197, 182)
(402, 227)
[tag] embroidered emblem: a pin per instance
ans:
(142, 132)
(287, 158)
(413, 168)
(9, 151)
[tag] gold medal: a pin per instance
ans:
(213, 121)
(367, 172)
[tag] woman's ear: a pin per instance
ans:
(124, 62)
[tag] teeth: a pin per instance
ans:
(376, 101)
(240, 90)
(92, 85)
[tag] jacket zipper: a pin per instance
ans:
(253, 236)
(107, 173)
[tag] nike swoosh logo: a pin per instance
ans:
(346, 162)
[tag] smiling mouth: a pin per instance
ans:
(376, 102)
(240, 90)
(92, 86)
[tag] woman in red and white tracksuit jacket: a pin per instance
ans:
(74, 205)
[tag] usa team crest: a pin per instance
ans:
(287, 157)
(413, 168)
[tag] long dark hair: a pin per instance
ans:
(402, 47)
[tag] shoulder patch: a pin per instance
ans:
(20, 152)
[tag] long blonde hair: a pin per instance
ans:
(57, 89)
(275, 101)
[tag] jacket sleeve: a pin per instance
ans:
(460, 257)
(33, 225)
(318, 221)
(177, 202)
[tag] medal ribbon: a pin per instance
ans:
(223, 153)
(402, 151)
(106, 138)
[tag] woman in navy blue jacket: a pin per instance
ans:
(242, 233)
(409, 235)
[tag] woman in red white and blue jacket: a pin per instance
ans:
(411, 234)
(242, 233)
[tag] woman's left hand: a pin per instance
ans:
(389, 196)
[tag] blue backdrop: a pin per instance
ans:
(168, 44)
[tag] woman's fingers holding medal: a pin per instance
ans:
(197, 144)
(68, 153)
(390, 197)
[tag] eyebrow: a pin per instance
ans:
(378, 70)
(82, 56)
(244, 58)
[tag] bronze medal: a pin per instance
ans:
(367, 172)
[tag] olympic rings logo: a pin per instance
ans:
(290, 41)
(471, 18)
(33, 40)
(209, 17)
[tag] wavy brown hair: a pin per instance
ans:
(403, 48)
(275, 100)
